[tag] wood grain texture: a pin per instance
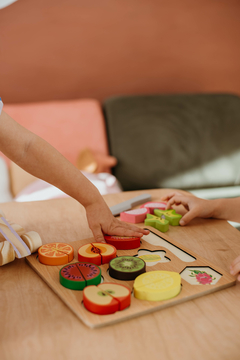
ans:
(36, 324)
(73, 299)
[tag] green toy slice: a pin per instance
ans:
(169, 215)
(158, 223)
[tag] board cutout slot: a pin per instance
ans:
(158, 240)
(200, 275)
(152, 257)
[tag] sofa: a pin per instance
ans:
(184, 141)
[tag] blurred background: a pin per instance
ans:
(127, 78)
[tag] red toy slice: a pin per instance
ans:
(123, 242)
(55, 254)
(106, 298)
(150, 206)
(97, 253)
(79, 275)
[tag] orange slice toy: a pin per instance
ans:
(55, 254)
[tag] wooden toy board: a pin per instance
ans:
(177, 258)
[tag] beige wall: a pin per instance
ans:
(66, 49)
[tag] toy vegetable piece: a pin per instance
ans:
(150, 206)
(134, 216)
(79, 275)
(55, 254)
(126, 267)
(123, 242)
(158, 223)
(157, 285)
(97, 253)
(169, 215)
(106, 298)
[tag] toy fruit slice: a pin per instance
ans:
(157, 285)
(156, 222)
(106, 298)
(119, 292)
(150, 206)
(97, 253)
(123, 242)
(135, 216)
(126, 267)
(169, 215)
(79, 275)
(55, 254)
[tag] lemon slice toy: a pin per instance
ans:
(157, 285)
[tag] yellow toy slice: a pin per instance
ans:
(157, 285)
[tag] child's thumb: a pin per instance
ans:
(97, 233)
(187, 218)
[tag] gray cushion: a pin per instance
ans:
(180, 141)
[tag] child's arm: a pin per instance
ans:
(225, 209)
(40, 159)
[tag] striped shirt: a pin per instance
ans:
(1, 105)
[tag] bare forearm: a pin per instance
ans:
(227, 209)
(40, 159)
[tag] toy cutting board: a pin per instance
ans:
(168, 256)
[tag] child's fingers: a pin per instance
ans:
(121, 231)
(177, 200)
(97, 233)
(235, 267)
(125, 229)
(170, 195)
(188, 217)
(235, 261)
(134, 229)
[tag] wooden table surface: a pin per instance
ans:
(36, 324)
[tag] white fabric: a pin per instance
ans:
(41, 190)
(5, 192)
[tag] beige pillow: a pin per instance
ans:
(5, 192)
(19, 178)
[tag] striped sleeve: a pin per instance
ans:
(1, 105)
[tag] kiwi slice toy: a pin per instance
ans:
(126, 267)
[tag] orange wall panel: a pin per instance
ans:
(58, 49)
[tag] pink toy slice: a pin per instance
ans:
(134, 216)
(150, 206)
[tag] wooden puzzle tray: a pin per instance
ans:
(169, 256)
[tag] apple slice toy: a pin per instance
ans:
(106, 298)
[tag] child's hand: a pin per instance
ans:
(235, 267)
(101, 221)
(196, 207)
